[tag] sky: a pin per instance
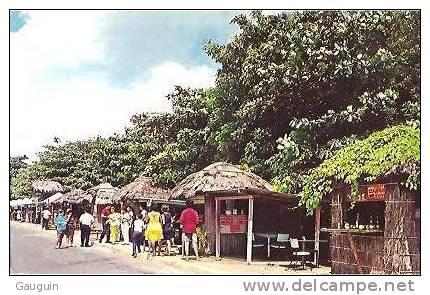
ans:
(79, 74)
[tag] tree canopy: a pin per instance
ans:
(292, 90)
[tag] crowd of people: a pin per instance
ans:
(130, 227)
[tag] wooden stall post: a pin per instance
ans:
(210, 221)
(249, 237)
(317, 235)
(217, 231)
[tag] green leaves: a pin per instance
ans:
(292, 91)
(394, 150)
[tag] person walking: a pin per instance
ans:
(71, 226)
(105, 225)
(189, 220)
(114, 223)
(60, 223)
(86, 220)
(46, 214)
(137, 237)
(125, 226)
(154, 231)
(166, 222)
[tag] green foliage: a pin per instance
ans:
(292, 90)
(15, 165)
(20, 186)
(392, 150)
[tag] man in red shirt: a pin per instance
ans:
(189, 220)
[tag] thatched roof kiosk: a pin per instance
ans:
(78, 196)
(140, 190)
(218, 176)
(228, 195)
(42, 189)
(103, 193)
(374, 203)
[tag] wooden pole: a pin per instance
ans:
(249, 238)
(217, 231)
(317, 235)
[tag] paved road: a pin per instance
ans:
(32, 252)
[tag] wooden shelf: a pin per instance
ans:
(353, 231)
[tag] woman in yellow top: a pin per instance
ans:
(114, 222)
(154, 231)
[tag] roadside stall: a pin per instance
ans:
(142, 192)
(241, 213)
(28, 210)
(41, 190)
(377, 232)
(77, 200)
(102, 196)
(53, 203)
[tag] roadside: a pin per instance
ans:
(176, 265)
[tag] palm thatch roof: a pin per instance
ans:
(218, 176)
(55, 199)
(77, 196)
(103, 193)
(46, 187)
(143, 188)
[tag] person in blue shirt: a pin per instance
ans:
(61, 225)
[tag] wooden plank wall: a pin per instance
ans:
(233, 245)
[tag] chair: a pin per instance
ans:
(297, 253)
(281, 242)
(257, 244)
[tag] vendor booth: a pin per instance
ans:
(141, 193)
(242, 214)
(41, 190)
(102, 197)
(377, 232)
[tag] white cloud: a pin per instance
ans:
(45, 103)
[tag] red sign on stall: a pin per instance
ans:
(376, 192)
(233, 223)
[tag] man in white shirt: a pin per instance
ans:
(86, 220)
(45, 218)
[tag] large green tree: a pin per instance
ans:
(292, 90)
(317, 80)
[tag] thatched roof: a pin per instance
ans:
(47, 186)
(22, 202)
(55, 199)
(103, 193)
(143, 188)
(218, 177)
(77, 196)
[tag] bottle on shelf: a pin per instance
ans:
(377, 223)
(357, 221)
(371, 225)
